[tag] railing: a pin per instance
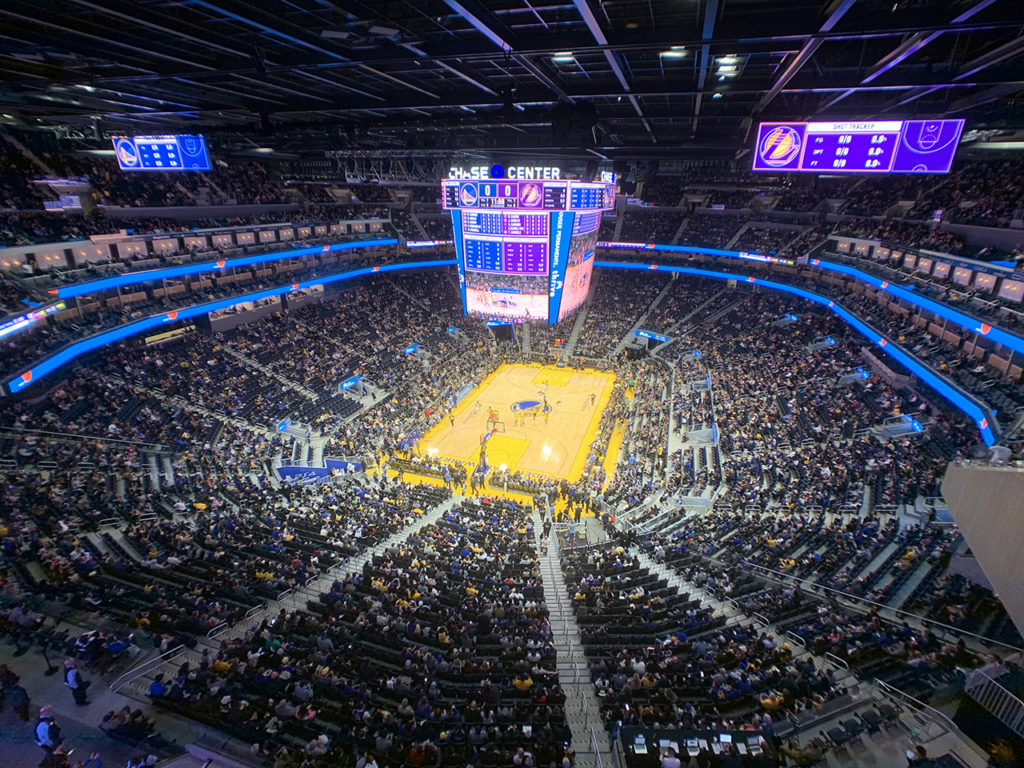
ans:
(810, 586)
(796, 639)
(997, 699)
(837, 661)
(17, 431)
(598, 762)
(146, 667)
(217, 631)
(929, 713)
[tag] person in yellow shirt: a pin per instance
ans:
(522, 682)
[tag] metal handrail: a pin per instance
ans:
(73, 436)
(797, 639)
(598, 763)
(217, 631)
(1010, 709)
(811, 586)
(837, 661)
(927, 711)
(147, 666)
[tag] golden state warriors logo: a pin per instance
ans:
(530, 406)
(468, 195)
(127, 155)
(779, 146)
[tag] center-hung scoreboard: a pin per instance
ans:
(524, 239)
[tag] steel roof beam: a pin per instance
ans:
(837, 11)
(910, 46)
(500, 35)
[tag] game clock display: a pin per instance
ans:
(884, 146)
(527, 195)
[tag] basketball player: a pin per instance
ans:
(593, 398)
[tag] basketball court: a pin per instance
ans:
(536, 419)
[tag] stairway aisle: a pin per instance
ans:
(577, 327)
(354, 564)
(582, 707)
(642, 319)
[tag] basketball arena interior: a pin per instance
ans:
(511, 384)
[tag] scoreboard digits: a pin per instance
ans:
(558, 195)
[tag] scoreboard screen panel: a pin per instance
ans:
(512, 239)
(882, 146)
(162, 153)
(512, 256)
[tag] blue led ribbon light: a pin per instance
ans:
(963, 401)
(72, 351)
(968, 323)
(132, 278)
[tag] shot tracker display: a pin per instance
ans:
(882, 146)
(162, 153)
(525, 247)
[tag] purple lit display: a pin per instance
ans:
(510, 257)
(526, 258)
(886, 146)
(501, 223)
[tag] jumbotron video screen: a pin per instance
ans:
(524, 239)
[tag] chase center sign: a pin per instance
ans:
(500, 172)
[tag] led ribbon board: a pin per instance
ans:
(882, 146)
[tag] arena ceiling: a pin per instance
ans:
(610, 78)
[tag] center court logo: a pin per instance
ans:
(530, 406)
(779, 146)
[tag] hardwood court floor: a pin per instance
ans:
(556, 447)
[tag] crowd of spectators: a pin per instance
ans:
(615, 305)
(650, 225)
(762, 239)
(711, 230)
(440, 645)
